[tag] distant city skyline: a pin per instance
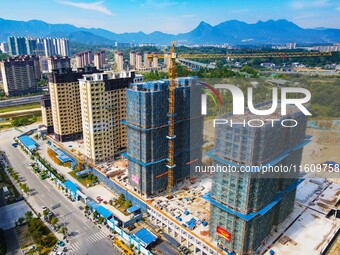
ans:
(171, 16)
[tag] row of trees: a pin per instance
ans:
(23, 121)
(222, 72)
(15, 175)
(49, 167)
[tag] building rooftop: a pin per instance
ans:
(104, 212)
(28, 142)
(71, 186)
(109, 75)
(145, 237)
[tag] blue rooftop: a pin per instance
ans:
(71, 186)
(145, 237)
(62, 156)
(133, 209)
(103, 212)
(92, 204)
(28, 142)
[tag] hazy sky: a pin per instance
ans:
(172, 16)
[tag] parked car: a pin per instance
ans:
(61, 243)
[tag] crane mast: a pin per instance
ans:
(171, 118)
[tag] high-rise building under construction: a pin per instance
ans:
(244, 207)
(147, 129)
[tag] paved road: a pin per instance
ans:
(19, 101)
(86, 238)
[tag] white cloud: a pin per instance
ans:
(338, 9)
(309, 4)
(95, 6)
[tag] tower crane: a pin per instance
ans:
(172, 56)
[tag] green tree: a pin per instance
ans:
(24, 188)
(95, 214)
(101, 220)
(94, 178)
(127, 204)
(45, 212)
(28, 216)
(54, 220)
(62, 230)
(3, 56)
(21, 220)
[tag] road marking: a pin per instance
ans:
(75, 246)
(87, 241)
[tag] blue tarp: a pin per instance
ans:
(133, 209)
(103, 212)
(28, 142)
(71, 186)
(145, 237)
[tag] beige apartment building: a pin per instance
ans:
(65, 103)
(46, 113)
(103, 107)
(20, 75)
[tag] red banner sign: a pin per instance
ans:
(223, 233)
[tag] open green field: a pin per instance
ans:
(10, 114)
(19, 107)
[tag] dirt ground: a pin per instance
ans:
(324, 146)
(335, 250)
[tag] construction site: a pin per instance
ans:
(211, 213)
(187, 218)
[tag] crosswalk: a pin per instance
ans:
(86, 241)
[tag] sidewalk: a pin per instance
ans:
(28, 199)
